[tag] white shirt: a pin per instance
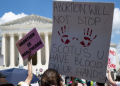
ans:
(118, 83)
(24, 84)
(94, 84)
(36, 84)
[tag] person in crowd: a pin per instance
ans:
(115, 71)
(67, 78)
(117, 77)
(3, 81)
(118, 71)
(98, 84)
(113, 83)
(2, 78)
(51, 77)
(88, 82)
(38, 75)
(63, 79)
(30, 75)
(77, 82)
(91, 83)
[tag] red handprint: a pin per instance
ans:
(64, 37)
(87, 38)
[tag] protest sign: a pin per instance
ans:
(40, 69)
(81, 39)
(112, 58)
(30, 42)
(1, 60)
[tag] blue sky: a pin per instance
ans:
(39, 7)
(13, 9)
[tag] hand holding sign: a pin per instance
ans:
(30, 56)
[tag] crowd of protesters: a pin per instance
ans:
(52, 78)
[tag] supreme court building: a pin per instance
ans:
(14, 30)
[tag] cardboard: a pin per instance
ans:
(81, 39)
(30, 42)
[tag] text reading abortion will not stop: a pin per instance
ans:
(75, 8)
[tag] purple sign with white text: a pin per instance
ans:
(30, 42)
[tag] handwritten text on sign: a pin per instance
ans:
(81, 39)
(30, 42)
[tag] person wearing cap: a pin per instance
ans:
(30, 75)
(3, 81)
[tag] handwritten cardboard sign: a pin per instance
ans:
(30, 42)
(81, 39)
(112, 58)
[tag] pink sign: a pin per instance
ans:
(30, 42)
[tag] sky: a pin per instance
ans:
(14, 9)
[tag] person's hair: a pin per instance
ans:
(50, 77)
(7, 84)
(117, 77)
(100, 84)
(3, 80)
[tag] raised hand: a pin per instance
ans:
(30, 56)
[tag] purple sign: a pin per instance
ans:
(30, 42)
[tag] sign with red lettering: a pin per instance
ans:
(81, 39)
(112, 58)
(40, 69)
(31, 42)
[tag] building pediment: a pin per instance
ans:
(29, 20)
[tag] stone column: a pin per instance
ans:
(3, 48)
(39, 57)
(12, 56)
(46, 48)
(20, 58)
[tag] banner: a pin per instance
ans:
(30, 42)
(81, 39)
(112, 58)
